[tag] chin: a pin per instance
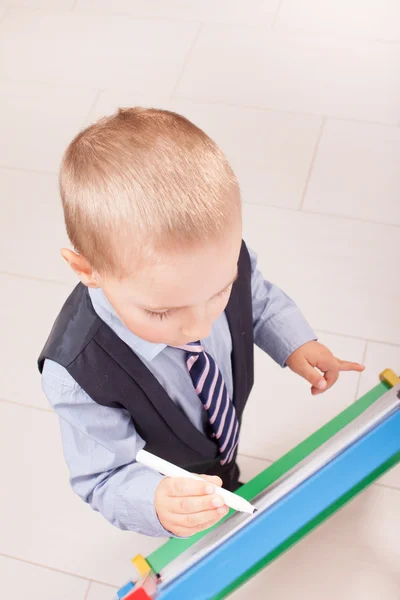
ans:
(181, 342)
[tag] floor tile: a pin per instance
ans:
(332, 267)
(313, 74)
(270, 152)
(324, 565)
(53, 5)
(373, 19)
(252, 12)
(94, 50)
(379, 357)
(356, 173)
(20, 581)
(55, 528)
(32, 248)
(28, 310)
(250, 467)
(375, 519)
(102, 592)
(38, 131)
(281, 411)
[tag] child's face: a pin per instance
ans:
(176, 299)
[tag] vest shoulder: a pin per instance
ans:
(75, 326)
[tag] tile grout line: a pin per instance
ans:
(334, 35)
(34, 278)
(285, 111)
(41, 566)
(94, 12)
(386, 485)
(185, 62)
(313, 158)
(255, 457)
(323, 214)
(25, 170)
(364, 355)
(23, 405)
(92, 107)
(394, 125)
(276, 15)
(129, 15)
(87, 591)
(55, 83)
(355, 337)
(307, 211)
(45, 82)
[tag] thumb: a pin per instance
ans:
(212, 479)
(311, 375)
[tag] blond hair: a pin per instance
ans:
(140, 180)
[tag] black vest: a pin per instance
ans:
(112, 375)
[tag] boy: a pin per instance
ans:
(155, 346)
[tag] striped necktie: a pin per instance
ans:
(211, 389)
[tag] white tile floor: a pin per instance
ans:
(304, 97)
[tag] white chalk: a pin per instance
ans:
(166, 468)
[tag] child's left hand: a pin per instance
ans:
(312, 356)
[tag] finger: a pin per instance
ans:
(311, 375)
(345, 365)
(189, 531)
(199, 519)
(194, 504)
(182, 486)
(214, 479)
(331, 377)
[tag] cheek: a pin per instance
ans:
(218, 306)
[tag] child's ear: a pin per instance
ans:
(82, 268)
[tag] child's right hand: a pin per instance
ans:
(186, 506)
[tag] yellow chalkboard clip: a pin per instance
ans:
(389, 377)
(141, 565)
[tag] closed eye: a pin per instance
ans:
(225, 291)
(161, 316)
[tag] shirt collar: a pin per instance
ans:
(105, 311)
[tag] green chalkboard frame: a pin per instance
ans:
(174, 547)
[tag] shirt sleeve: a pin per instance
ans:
(279, 326)
(100, 445)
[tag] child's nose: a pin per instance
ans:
(197, 326)
(194, 334)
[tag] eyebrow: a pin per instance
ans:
(165, 308)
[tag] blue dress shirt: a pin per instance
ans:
(100, 443)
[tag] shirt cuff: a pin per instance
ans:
(136, 506)
(282, 335)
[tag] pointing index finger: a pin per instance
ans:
(345, 365)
